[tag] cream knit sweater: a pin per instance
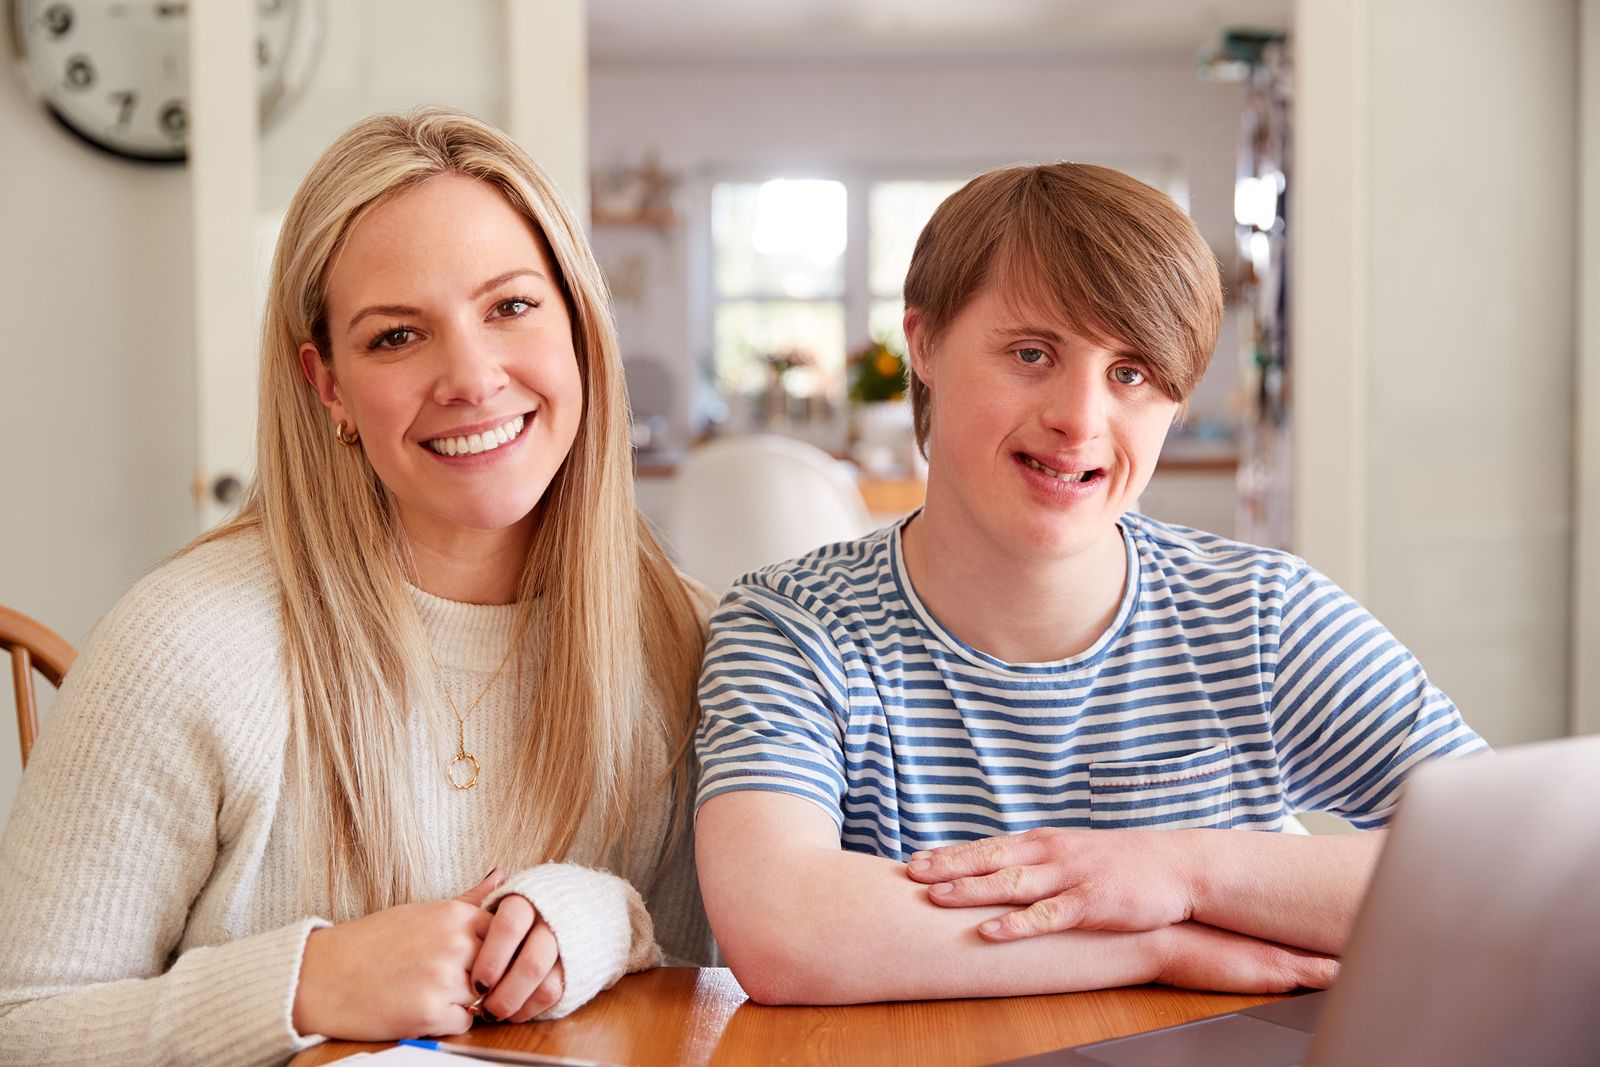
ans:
(149, 886)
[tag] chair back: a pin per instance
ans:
(33, 647)
(742, 502)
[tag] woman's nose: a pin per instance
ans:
(470, 372)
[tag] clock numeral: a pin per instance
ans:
(58, 19)
(80, 74)
(124, 101)
(174, 9)
(263, 52)
(174, 119)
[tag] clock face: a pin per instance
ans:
(117, 73)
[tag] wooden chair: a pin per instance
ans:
(33, 647)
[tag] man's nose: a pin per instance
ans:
(1077, 406)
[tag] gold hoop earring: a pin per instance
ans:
(339, 433)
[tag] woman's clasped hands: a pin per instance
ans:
(427, 969)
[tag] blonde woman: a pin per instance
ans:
(436, 641)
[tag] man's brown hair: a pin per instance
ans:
(1121, 259)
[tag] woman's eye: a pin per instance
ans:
(510, 309)
(1031, 356)
(1127, 375)
(396, 338)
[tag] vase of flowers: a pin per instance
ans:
(881, 431)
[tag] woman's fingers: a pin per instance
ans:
(544, 995)
(507, 928)
(480, 892)
(523, 978)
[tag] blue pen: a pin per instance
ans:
(504, 1055)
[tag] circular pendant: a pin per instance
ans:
(463, 771)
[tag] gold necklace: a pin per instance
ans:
(464, 764)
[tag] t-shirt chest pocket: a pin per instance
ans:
(1188, 790)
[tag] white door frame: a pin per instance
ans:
(1330, 279)
(1584, 715)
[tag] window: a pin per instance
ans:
(803, 271)
(896, 213)
(779, 284)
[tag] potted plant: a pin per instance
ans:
(880, 417)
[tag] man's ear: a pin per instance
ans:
(320, 375)
(917, 347)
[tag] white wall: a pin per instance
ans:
(1472, 309)
(96, 375)
(1461, 366)
(387, 55)
(804, 116)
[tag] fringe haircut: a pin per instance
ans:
(1120, 258)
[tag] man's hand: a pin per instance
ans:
(1065, 879)
(1203, 957)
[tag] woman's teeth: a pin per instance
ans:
(472, 444)
(1065, 476)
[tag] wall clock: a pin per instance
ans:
(117, 73)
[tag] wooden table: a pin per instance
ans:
(684, 1015)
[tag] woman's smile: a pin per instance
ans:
(475, 442)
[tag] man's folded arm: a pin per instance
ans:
(802, 921)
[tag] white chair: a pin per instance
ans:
(745, 501)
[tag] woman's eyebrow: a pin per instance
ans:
(398, 311)
(500, 279)
(403, 310)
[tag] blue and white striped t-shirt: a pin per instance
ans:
(1235, 686)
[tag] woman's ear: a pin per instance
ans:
(917, 347)
(320, 375)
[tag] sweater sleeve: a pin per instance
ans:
(602, 928)
(114, 834)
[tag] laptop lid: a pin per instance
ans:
(1479, 940)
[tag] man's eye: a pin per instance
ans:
(1031, 356)
(1127, 375)
(395, 338)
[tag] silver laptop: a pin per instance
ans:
(1478, 941)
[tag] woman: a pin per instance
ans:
(437, 640)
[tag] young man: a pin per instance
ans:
(1000, 747)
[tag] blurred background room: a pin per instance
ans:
(1401, 195)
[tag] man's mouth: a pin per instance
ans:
(1065, 476)
(472, 444)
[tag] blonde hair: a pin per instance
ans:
(621, 624)
(1122, 261)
